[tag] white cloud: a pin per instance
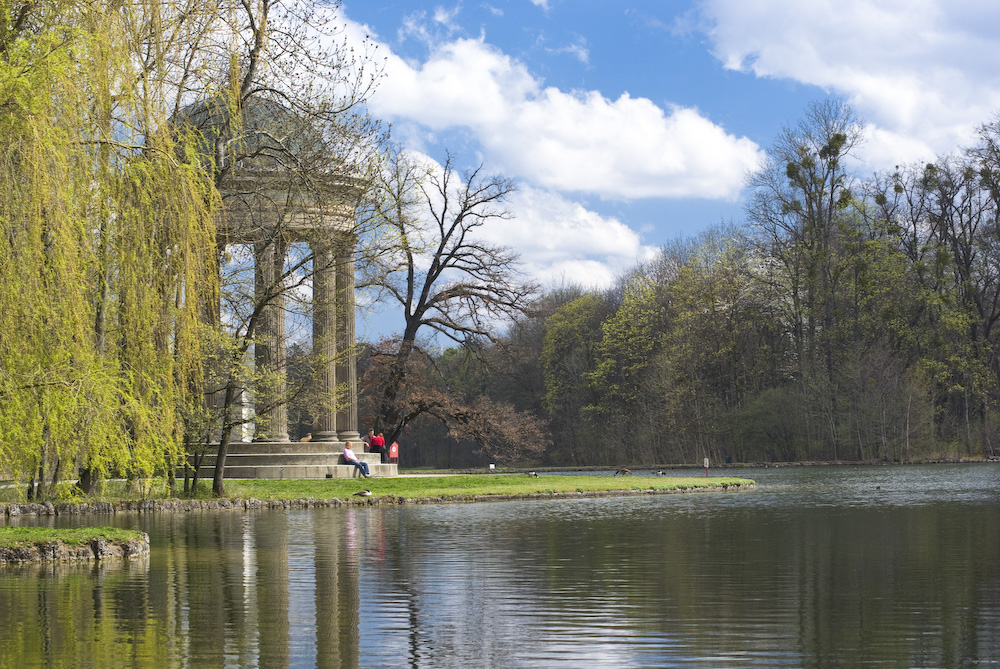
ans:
(921, 72)
(884, 148)
(576, 141)
(577, 49)
(446, 17)
(563, 242)
(624, 148)
(465, 83)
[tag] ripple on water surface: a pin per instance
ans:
(823, 566)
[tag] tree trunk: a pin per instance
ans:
(218, 488)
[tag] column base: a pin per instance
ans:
(349, 435)
(325, 436)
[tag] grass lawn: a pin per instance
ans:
(23, 537)
(465, 486)
(445, 487)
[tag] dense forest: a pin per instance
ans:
(847, 318)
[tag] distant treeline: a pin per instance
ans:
(848, 319)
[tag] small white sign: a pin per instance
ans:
(492, 466)
(706, 463)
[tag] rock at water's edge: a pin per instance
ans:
(97, 549)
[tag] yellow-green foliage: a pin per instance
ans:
(629, 342)
(106, 247)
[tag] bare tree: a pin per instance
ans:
(439, 268)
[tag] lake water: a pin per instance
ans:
(819, 567)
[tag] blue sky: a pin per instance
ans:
(628, 123)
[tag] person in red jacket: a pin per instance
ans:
(378, 446)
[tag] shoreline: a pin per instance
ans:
(712, 466)
(97, 547)
(15, 510)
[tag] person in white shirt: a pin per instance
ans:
(353, 460)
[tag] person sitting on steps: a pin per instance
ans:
(353, 460)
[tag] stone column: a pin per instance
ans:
(269, 345)
(347, 416)
(325, 341)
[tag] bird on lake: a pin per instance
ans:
(624, 471)
(534, 474)
(363, 493)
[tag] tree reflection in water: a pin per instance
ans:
(823, 566)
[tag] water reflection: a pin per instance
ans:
(819, 567)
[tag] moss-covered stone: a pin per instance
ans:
(47, 545)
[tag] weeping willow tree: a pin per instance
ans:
(109, 258)
(106, 250)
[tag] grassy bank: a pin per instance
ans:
(468, 486)
(438, 488)
(25, 537)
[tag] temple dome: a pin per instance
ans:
(268, 137)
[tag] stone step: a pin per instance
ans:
(298, 459)
(290, 460)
